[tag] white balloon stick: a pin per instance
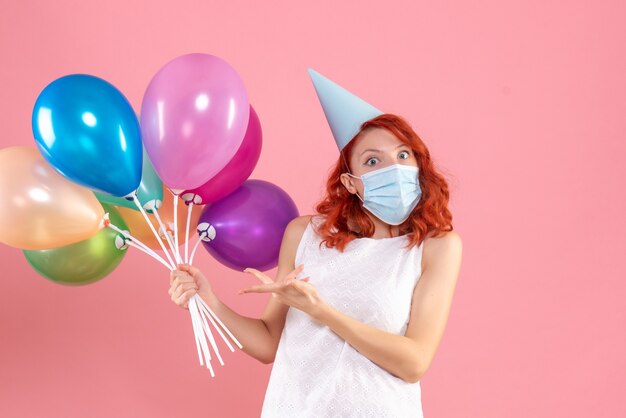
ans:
(162, 226)
(193, 308)
(212, 315)
(128, 238)
(196, 337)
(156, 257)
(176, 225)
(195, 247)
(208, 332)
(143, 212)
(189, 210)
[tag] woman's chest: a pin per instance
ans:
(372, 284)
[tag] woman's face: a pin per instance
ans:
(376, 148)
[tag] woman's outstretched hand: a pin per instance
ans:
(185, 282)
(290, 291)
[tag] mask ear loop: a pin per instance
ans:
(350, 174)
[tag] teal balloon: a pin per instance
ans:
(149, 193)
(88, 131)
(83, 262)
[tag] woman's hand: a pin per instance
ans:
(290, 291)
(185, 282)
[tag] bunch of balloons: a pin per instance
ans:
(102, 179)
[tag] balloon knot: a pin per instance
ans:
(105, 220)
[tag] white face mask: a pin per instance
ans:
(391, 193)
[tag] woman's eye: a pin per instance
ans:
(370, 161)
(406, 155)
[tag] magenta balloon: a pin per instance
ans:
(236, 171)
(194, 116)
(249, 225)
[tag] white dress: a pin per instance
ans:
(318, 374)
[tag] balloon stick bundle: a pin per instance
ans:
(198, 308)
(102, 180)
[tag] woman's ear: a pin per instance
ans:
(347, 181)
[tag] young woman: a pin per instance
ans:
(379, 263)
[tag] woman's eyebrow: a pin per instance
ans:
(373, 150)
(376, 150)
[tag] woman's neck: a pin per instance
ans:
(381, 229)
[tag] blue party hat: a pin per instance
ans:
(344, 111)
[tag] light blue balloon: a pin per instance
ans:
(87, 130)
(149, 192)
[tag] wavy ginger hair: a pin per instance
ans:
(430, 216)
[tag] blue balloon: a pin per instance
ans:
(87, 130)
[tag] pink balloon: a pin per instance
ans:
(194, 116)
(236, 171)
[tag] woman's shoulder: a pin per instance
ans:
(300, 222)
(294, 232)
(443, 236)
(444, 243)
(296, 227)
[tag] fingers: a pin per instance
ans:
(295, 272)
(301, 286)
(181, 282)
(183, 300)
(297, 285)
(174, 274)
(290, 276)
(183, 287)
(183, 293)
(177, 277)
(275, 287)
(194, 271)
(262, 288)
(259, 275)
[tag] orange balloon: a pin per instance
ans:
(139, 227)
(39, 208)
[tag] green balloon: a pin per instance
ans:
(150, 189)
(82, 262)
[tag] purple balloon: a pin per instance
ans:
(194, 116)
(249, 225)
(235, 172)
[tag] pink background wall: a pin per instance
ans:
(522, 106)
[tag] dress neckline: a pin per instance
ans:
(368, 238)
(382, 239)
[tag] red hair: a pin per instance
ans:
(430, 216)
